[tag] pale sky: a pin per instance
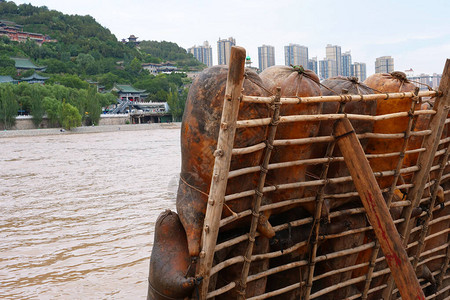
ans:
(415, 33)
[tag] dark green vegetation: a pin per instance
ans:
(64, 106)
(85, 50)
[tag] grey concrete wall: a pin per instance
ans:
(114, 119)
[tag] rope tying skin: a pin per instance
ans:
(258, 84)
(193, 187)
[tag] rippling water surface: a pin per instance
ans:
(78, 212)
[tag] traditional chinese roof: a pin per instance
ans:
(4, 23)
(7, 79)
(126, 88)
(25, 63)
(35, 77)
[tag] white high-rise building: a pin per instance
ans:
(296, 55)
(359, 71)
(312, 65)
(384, 64)
(327, 68)
(266, 56)
(333, 53)
(203, 53)
(224, 50)
(346, 64)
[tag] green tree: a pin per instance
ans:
(93, 108)
(53, 110)
(85, 63)
(107, 99)
(108, 80)
(11, 71)
(8, 106)
(71, 81)
(5, 61)
(37, 107)
(55, 66)
(134, 67)
(70, 116)
(176, 103)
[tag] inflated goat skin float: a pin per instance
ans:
(332, 87)
(294, 82)
(388, 83)
(170, 260)
(199, 133)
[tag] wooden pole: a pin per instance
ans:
(222, 162)
(314, 235)
(377, 211)
(242, 286)
(431, 143)
(425, 160)
(392, 189)
(339, 98)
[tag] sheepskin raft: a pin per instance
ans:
(295, 188)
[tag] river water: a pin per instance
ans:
(78, 212)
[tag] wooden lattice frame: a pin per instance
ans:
(221, 173)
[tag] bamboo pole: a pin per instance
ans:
(336, 287)
(429, 216)
(431, 142)
(222, 161)
(250, 149)
(222, 290)
(311, 183)
(334, 272)
(339, 98)
(314, 236)
(278, 292)
(378, 212)
(299, 263)
(444, 268)
(325, 117)
(324, 139)
(390, 194)
(242, 284)
(425, 160)
(238, 259)
(316, 161)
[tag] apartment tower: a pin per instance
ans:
(359, 71)
(384, 64)
(202, 53)
(296, 55)
(266, 56)
(224, 50)
(333, 53)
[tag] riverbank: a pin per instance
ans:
(87, 129)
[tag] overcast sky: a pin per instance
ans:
(415, 33)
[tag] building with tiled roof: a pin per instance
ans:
(15, 33)
(8, 79)
(155, 69)
(35, 78)
(24, 64)
(128, 92)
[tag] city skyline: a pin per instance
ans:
(370, 30)
(334, 64)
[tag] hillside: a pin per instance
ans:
(79, 49)
(83, 46)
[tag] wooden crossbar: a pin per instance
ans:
(340, 98)
(430, 160)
